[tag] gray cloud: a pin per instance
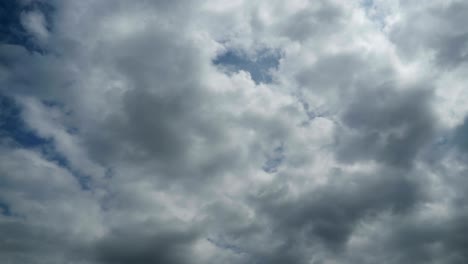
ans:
(434, 28)
(327, 216)
(167, 247)
(387, 125)
(352, 149)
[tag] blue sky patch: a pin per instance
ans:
(274, 160)
(227, 246)
(259, 67)
(16, 132)
(11, 30)
(13, 127)
(5, 209)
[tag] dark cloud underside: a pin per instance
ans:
(235, 132)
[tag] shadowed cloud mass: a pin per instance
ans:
(176, 132)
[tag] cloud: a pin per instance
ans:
(167, 247)
(50, 219)
(386, 125)
(435, 32)
(35, 23)
(232, 132)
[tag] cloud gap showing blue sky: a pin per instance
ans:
(259, 66)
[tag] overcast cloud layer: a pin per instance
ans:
(233, 131)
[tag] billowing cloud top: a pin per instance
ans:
(222, 131)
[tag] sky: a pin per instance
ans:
(233, 131)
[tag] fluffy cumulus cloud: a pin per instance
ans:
(268, 131)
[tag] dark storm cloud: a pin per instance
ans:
(30, 243)
(164, 130)
(310, 226)
(417, 242)
(329, 215)
(461, 135)
(412, 240)
(145, 248)
(386, 125)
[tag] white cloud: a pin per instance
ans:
(174, 147)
